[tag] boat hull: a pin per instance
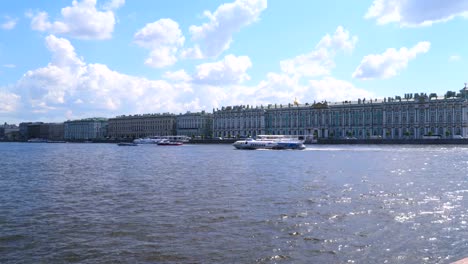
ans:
(170, 144)
(277, 145)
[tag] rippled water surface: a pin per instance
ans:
(100, 203)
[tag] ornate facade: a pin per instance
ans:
(195, 124)
(239, 121)
(414, 116)
(139, 126)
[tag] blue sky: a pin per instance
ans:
(63, 59)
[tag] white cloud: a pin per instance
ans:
(416, 12)
(192, 53)
(333, 90)
(9, 66)
(319, 62)
(114, 4)
(9, 23)
(178, 76)
(316, 63)
(63, 53)
(163, 38)
(216, 35)
(230, 70)
(68, 88)
(8, 102)
(341, 40)
(389, 63)
(278, 88)
(288, 85)
(81, 20)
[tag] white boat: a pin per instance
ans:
(270, 142)
(183, 139)
(147, 140)
(250, 143)
(166, 142)
(158, 139)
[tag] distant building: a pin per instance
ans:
(85, 129)
(23, 130)
(415, 116)
(239, 121)
(9, 132)
(137, 126)
(56, 131)
(35, 130)
(195, 124)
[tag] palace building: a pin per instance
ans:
(195, 125)
(140, 126)
(414, 116)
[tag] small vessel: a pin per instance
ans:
(147, 140)
(127, 144)
(270, 142)
(37, 140)
(166, 142)
(250, 143)
(157, 139)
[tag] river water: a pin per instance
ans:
(101, 203)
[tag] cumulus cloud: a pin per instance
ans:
(178, 76)
(8, 102)
(333, 90)
(316, 63)
(416, 12)
(283, 88)
(389, 63)
(162, 38)
(81, 20)
(230, 70)
(69, 88)
(341, 40)
(315, 67)
(320, 61)
(9, 23)
(114, 4)
(92, 89)
(215, 36)
(277, 88)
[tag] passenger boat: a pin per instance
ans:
(166, 142)
(250, 143)
(157, 139)
(147, 140)
(270, 142)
